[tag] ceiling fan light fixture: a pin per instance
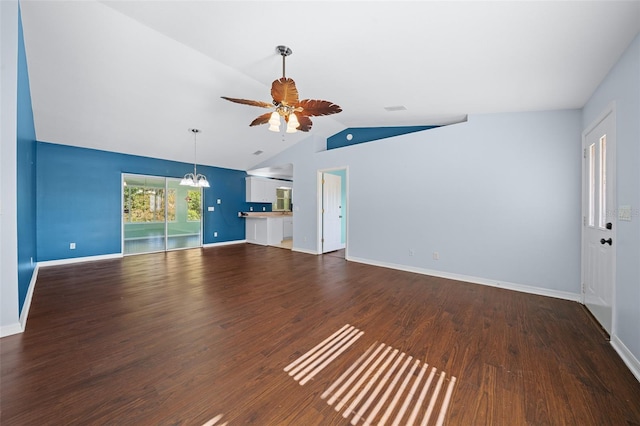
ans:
(293, 123)
(274, 122)
(286, 100)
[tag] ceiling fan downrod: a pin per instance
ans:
(284, 51)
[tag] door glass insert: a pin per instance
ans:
(591, 208)
(602, 204)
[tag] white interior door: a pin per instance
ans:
(331, 212)
(598, 230)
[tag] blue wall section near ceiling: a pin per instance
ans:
(79, 199)
(26, 176)
(368, 134)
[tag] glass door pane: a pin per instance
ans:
(143, 216)
(184, 215)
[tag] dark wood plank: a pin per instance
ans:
(177, 338)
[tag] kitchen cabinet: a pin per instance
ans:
(287, 228)
(256, 230)
(274, 225)
(265, 230)
(263, 190)
(260, 190)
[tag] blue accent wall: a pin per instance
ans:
(79, 199)
(26, 175)
(368, 134)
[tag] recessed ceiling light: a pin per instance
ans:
(396, 108)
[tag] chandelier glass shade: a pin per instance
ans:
(195, 179)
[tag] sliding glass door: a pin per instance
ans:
(159, 214)
(185, 213)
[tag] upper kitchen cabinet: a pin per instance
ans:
(263, 190)
(260, 190)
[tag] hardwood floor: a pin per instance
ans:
(178, 338)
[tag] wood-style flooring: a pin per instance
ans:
(179, 338)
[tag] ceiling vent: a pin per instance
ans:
(396, 108)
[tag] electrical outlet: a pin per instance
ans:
(211, 208)
(215, 234)
(411, 252)
(250, 209)
(72, 246)
(436, 255)
(264, 209)
(219, 202)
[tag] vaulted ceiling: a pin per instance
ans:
(134, 76)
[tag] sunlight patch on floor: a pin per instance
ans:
(308, 365)
(380, 376)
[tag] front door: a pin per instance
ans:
(598, 229)
(331, 212)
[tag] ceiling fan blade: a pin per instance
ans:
(283, 91)
(316, 107)
(263, 119)
(249, 102)
(305, 123)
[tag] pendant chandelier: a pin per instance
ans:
(194, 179)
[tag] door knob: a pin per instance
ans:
(608, 241)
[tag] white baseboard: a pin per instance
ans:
(575, 297)
(27, 301)
(224, 243)
(21, 325)
(8, 330)
(301, 250)
(72, 260)
(626, 355)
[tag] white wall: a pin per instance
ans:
(622, 86)
(9, 317)
(498, 197)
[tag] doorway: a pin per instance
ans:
(598, 217)
(159, 214)
(333, 211)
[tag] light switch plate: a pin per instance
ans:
(624, 213)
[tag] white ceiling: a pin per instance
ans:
(134, 76)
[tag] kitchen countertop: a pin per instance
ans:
(265, 215)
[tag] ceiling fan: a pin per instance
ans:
(295, 112)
